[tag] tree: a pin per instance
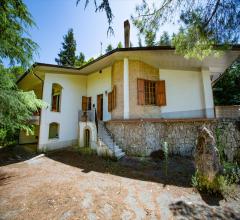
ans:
(102, 5)
(15, 45)
(16, 106)
(109, 48)
(80, 60)
(204, 23)
(227, 89)
(120, 45)
(67, 53)
(165, 39)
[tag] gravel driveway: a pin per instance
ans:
(66, 185)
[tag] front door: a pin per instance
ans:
(100, 107)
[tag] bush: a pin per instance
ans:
(87, 151)
(231, 171)
(219, 185)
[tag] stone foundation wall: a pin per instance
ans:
(143, 137)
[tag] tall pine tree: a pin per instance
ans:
(67, 57)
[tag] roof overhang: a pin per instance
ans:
(163, 57)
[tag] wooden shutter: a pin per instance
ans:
(114, 103)
(140, 91)
(110, 101)
(89, 103)
(84, 103)
(160, 93)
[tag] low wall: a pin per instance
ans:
(143, 137)
(231, 111)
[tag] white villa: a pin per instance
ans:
(124, 84)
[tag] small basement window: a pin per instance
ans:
(53, 130)
(56, 97)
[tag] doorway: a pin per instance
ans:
(100, 107)
(87, 138)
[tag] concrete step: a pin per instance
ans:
(120, 155)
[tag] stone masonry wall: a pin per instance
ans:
(140, 138)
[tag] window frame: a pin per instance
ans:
(58, 100)
(150, 92)
(58, 131)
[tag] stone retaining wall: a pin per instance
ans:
(231, 111)
(143, 137)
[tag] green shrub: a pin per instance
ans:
(232, 172)
(165, 150)
(87, 151)
(219, 185)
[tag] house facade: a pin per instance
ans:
(126, 84)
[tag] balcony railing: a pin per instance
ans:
(85, 116)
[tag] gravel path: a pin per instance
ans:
(67, 185)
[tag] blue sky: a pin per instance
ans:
(55, 17)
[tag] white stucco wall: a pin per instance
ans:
(74, 87)
(99, 83)
(184, 93)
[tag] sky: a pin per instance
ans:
(54, 17)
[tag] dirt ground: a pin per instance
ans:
(67, 185)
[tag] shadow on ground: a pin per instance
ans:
(179, 169)
(182, 210)
(14, 154)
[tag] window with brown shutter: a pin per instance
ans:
(160, 93)
(114, 95)
(84, 103)
(109, 101)
(112, 99)
(151, 92)
(140, 89)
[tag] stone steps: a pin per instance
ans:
(105, 137)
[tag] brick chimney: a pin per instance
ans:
(126, 34)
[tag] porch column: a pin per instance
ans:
(125, 89)
(207, 93)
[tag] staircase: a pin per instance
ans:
(107, 138)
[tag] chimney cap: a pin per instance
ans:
(126, 23)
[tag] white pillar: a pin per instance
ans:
(207, 94)
(125, 89)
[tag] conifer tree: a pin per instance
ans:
(67, 57)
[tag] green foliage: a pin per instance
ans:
(15, 45)
(220, 145)
(232, 172)
(87, 151)
(67, 54)
(80, 60)
(165, 39)
(16, 107)
(218, 186)
(226, 90)
(109, 48)
(204, 23)
(120, 45)
(102, 5)
(165, 151)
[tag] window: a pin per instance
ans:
(112, 99)
(151, 92)
(56, 97)
(53, 130)
(86, 103)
